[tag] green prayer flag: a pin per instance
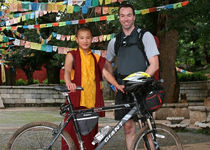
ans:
(49, 25)
(76, 8)
(96, 19)
(43, 47)
(62, 24)
(177, 5)
(25, 5)
(5, 39)
(137, 12)
(95, 3)
(110, 17)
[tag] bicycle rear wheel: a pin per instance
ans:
(166, 138)
(38, 135)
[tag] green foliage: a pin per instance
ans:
(21, 82)
(35, 81)
(202, 131)
(62, 81)
(197, 76)
(45, 81)
(181, 130)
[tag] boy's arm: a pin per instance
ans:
(108, 66)
(67, 73)
(112, 80)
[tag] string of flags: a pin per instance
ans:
(187, 72)
(61, 50)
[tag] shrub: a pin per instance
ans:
(62, 81)
(35, 81)
(20, 82)
(45, 81)
(197, 76)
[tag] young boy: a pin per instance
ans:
(85, 69)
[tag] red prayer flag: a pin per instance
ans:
(82, 21)
(185, 3)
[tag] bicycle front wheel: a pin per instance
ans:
(38, 135)
(166, 138)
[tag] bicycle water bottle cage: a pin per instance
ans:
(135, 80)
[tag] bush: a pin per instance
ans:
(62, 81)
(35, 81)
(45, 81)
(20, 82)
(198, 76)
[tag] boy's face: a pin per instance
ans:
(126, 17)
(84, 39)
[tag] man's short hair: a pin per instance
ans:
(125, 5)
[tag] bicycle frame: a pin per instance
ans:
(135, 107)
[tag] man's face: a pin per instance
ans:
(126, 17)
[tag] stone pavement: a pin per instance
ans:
(109, 115)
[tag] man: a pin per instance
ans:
(129, 60)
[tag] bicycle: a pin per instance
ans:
(46, 135)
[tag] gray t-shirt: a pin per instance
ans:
(149, 44)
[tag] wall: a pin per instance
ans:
(194, 91)
(19, 96)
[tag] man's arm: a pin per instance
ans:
(154, 65)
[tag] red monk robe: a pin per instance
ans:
(75, 97)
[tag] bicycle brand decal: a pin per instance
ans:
(113, 132)
(126, 117)
(127, 105)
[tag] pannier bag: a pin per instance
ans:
(154, 99)
(87, 122)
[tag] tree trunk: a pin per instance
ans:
(168, 48)
(53, 73)
(10, 76)
(29, 75)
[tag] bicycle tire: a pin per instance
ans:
(38, 135)
(167, 139)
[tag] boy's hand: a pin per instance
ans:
(120, 87)
(71, 86)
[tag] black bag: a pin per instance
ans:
(154, 98)
(87, 122)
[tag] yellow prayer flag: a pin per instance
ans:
(3, 76)
(10, 1)
(70, 9)
(62, 8)
(89, 20)
(108, 2)
(24, 18)
(144, 11)
(19, 19)
(104, 38)
(73, 38)
(43, 25)
(111, 9)
(100, 2)
(108, 37)
(1, 38)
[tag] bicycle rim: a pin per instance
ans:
(166, 138)
(37, 136)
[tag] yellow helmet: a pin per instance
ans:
(135, 79)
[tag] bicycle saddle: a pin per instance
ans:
(135, 80)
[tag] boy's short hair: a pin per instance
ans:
(125, 5)
(84, 28)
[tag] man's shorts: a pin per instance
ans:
(122, 98)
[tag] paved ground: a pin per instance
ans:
(12, 118)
